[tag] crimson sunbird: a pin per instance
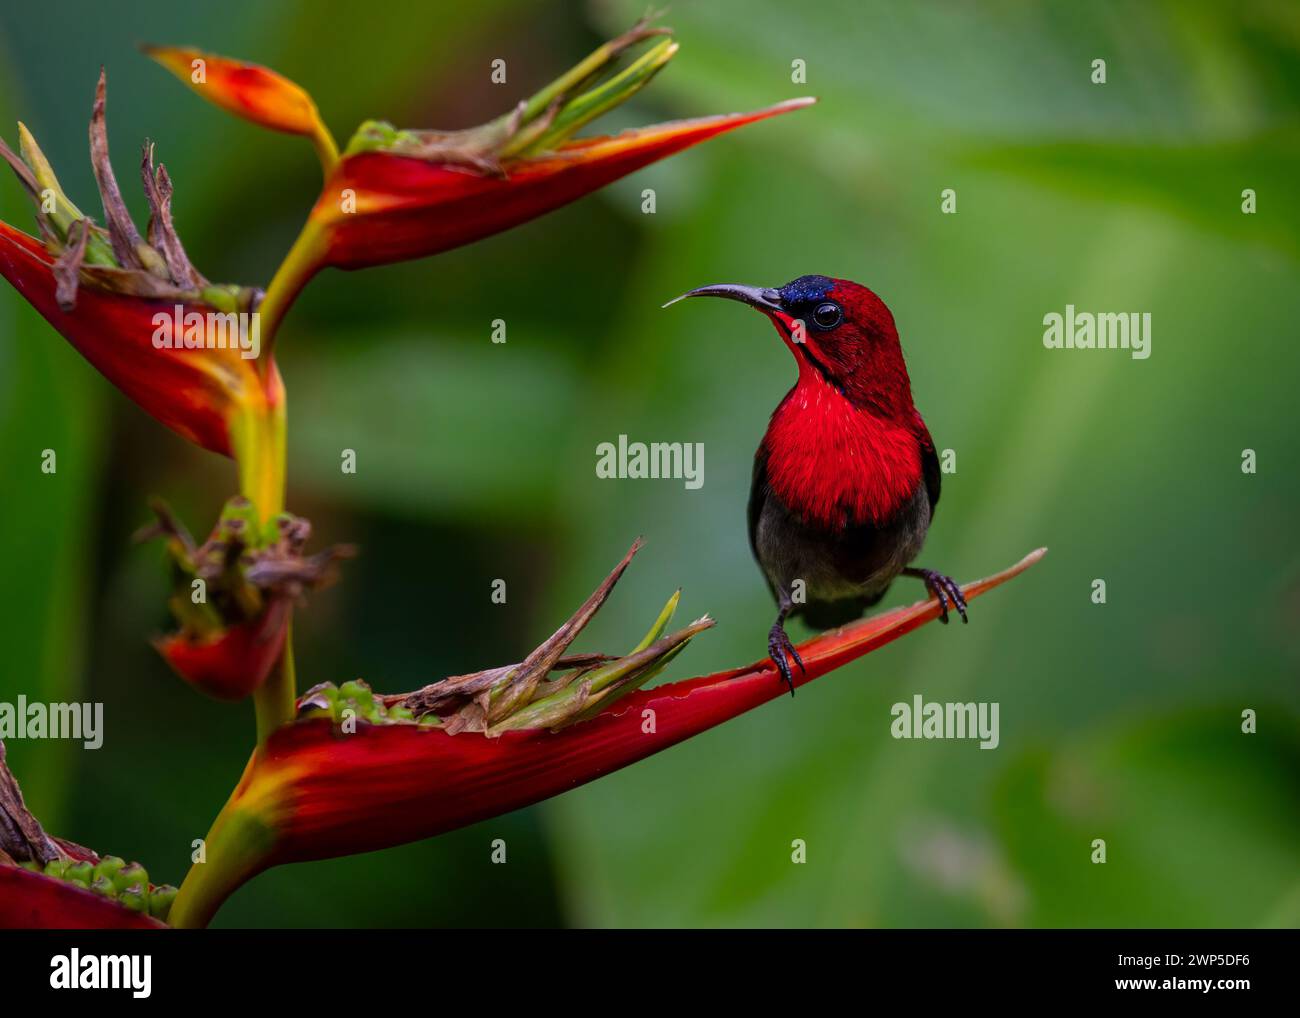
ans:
(846, 478)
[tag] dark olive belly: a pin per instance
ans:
(855, 563)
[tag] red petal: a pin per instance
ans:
(32, 901)
(193, 392)
(236, 662)
(410, 208)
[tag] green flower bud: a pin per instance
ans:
(109, 866)
(160, 901)
(135, 897)
(131, 873)
(321, 699)
(356, 693)
(80, 883)
(103, 886)
(430, 721)
(359, 692)
(80, 872)
(400, 714)
(33, 865)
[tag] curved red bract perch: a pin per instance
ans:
(387, 785)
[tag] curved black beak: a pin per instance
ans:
(765, 299)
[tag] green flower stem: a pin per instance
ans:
(274, 702)
(234, 848)
(327, 149)
(258, 438)
(298, 267)
(258, 442)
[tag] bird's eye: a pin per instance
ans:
(827, 315)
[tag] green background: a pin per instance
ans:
(476, 461)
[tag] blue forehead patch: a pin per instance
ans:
(806, 288)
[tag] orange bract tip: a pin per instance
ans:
(250, 91)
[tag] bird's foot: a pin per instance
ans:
(945, 590)
(779, 646)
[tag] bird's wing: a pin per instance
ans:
(929, 463)
(759, 492)
(757, 496)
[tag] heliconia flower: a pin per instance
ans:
(180, 347)
(401, 194)
(249, 575)
(316, 789)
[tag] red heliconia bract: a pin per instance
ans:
(196, 393)
(233, 663)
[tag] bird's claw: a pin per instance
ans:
(946, 591)
(779, 646)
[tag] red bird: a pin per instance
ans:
(846, 478)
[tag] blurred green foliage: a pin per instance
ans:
(476, 461)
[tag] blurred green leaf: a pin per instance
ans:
(1202, 184)
(440, 427)
(890, 72)
(1181, 802)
